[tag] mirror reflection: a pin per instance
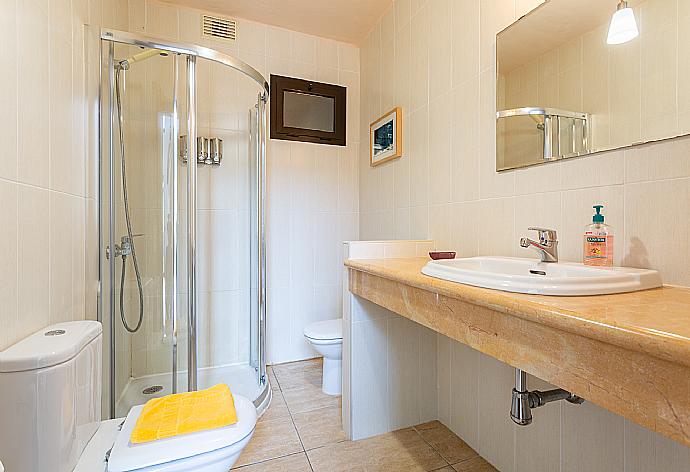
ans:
(576, 78)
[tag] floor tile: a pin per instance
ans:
(452, 448)
(299, 374)
(320, 427)
(307, 398)
(277, 409)
(402, 450)
(275, 438)
(272, 380)
(476, 464)
(294, 463)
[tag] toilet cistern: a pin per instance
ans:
(547, 247)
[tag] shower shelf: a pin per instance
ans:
(565, 133)
(209, 150)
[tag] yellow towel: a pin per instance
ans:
(185, 413)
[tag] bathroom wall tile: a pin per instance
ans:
(402, 223)
(8, 262)
(326, 246)
(419, 222)
(464, 231)
(495, 15)
(593, 171)
(402, 13)
(419, 157)
(9, 86)
(303, 48)
(496, 236)
(464, 150)
(594, 439)
(465, 16)
(402, 372)
(348, 57)
(161, 20)
(440, 225)
(651, 162)
(649, 209)
(369, 357)
(364, 310)
(440, 74)
(60, 250)
(535, 179)
(33, 278)
(464, 391)
(443, 370)
(403, 67)
(419, 83)
(401, 183)
(439, 150)
(491, 183)
(427, 374)
(495, 431)
(278, 323)
(645, 450)
(33, 95)
(251, 37)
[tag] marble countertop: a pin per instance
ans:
(654, 322)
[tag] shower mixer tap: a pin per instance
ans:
(123, 249)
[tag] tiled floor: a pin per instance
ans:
(302, 432)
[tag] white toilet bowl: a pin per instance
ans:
(326, 337)
(44, 376)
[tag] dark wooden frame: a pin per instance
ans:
(280, 84)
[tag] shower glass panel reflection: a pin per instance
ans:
(158, 216)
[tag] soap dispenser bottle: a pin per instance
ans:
(598, 241)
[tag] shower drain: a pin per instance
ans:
(152, 389)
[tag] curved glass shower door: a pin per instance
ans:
(181, 202)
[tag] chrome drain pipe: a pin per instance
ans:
(523, 400)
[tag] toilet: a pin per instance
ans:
(51, 410)
(326, 337)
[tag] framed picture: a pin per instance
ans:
(385, 137)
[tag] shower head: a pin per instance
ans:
(142, 56)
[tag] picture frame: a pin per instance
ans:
(386, 137)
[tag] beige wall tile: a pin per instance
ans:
(594, 439)
(9, 263)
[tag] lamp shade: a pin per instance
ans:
(623, 27)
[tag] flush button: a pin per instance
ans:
(55, 332)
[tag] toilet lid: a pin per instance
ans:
(126, 457)
(324, 330)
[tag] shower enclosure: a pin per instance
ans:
(181, 201)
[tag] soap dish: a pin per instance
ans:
(437, 255)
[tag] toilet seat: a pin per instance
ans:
(325, 332)
(185, 452)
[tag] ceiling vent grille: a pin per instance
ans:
(219, 28)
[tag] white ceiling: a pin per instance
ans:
(343, 20)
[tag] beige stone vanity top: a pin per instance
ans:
(629, 353)
(654, 322)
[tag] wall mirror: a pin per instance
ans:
(567, 86)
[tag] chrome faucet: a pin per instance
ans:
(547, 247)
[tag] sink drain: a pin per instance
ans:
(152, 389)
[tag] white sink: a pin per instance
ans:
(513, 274)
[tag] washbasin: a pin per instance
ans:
(531, 276)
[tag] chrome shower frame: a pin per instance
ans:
(192, 52)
